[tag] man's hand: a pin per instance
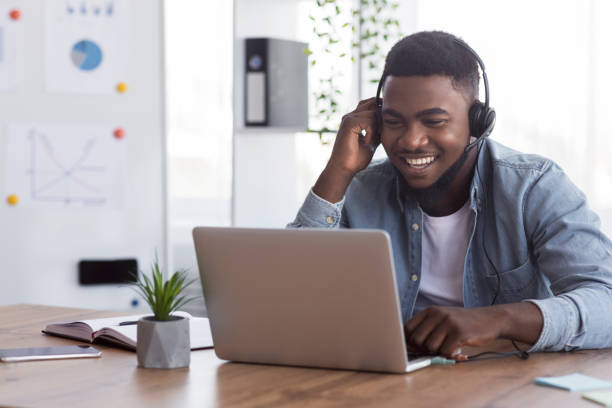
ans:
(443, 330)
(352, 151)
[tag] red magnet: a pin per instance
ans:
(15, 14)
(119, 133)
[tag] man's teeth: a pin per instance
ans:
(420, 161)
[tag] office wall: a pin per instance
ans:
(264, 193)
(41, 246)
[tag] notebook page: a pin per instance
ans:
(98, 324)
(199, 333)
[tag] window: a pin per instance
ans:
(198, 45)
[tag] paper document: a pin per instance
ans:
(11, 47)
(86, 45)
(574, 382)
(601, 397)
(64, 165)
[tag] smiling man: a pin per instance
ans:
(487, 242)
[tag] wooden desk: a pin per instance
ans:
(114, 380)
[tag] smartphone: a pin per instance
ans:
(47, 353)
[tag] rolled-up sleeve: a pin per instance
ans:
(576, 257)
(318, 213)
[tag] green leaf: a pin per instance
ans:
(163, 296)
(307, 51)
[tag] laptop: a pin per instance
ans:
(303, 297)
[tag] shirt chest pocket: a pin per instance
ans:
(514, 281)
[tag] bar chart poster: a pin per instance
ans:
(86, 45)
(11, 44)
(55, 165)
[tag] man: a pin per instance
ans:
(488, 242)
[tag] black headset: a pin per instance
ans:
(481, 116)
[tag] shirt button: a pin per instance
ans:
(329, 220)
(415, 227)
(414, 277)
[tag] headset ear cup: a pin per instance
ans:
(475, 117)
(489, 122)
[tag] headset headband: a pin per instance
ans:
(472, 52)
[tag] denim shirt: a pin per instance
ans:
(532, 228)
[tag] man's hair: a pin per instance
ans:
(434, 53)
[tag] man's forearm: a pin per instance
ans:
(522, 321)
(332, 184)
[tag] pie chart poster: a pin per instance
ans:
(86, 46)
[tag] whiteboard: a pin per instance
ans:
(120, 212)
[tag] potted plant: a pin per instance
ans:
(163, 339)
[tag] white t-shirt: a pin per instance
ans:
(444, 246)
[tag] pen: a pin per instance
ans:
(128, 323)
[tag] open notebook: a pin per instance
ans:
(109, 330)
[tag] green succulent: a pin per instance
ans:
(164, 297)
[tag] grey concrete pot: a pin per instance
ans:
(163, 344)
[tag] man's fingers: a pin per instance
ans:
(411, 324)
(451, 347)
(436, 338)
(364, 128)
(425, 328)
(365, 104)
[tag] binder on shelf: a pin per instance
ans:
(276, 83)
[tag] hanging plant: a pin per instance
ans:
(379, 30)
(345, 35)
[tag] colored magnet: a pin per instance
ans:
(13, 199)
(15, 14)
(121, 87)
(119, 133)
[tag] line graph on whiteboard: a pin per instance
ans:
(64, 165)
(52, 180)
